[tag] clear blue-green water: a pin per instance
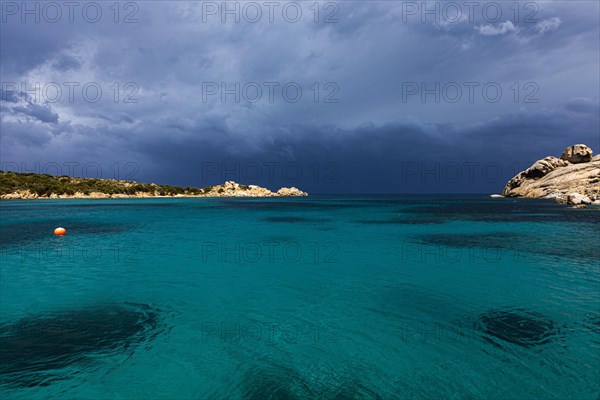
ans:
(409, 297)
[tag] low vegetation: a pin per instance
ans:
(45, 185)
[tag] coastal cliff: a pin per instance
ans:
(14, 186)
(574, 178)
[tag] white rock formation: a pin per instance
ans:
(572, 179)
(288, 192)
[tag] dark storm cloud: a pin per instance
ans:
(21, 104)
(9, 96)
(41, 113)
(153, 109)
(386, 158)
(66, 62)
(583, 105)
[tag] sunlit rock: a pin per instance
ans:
(576, 174)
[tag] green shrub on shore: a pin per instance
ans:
(45, 185)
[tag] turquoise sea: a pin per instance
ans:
(325, 297)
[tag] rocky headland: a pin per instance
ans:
(574, 178)
(15, 186)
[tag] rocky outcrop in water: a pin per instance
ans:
(233, 189)
(291, 192)
(574, 178)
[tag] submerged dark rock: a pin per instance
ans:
(592, 322)
(513, 210)
(292, 219)
(402, 221)
(518, 326)
(270, 204)
(354, 390)
(275, 383)
(516, 246)
(33, 349)
(488, 240)
(278, 382)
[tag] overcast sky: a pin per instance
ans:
(337, 97)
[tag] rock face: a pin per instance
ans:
(578, 153)
(20, 194)
(233, 189)
(291, 192)
(572, 179)
(577, 198)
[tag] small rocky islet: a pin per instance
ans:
(573, 179)
(24, 186)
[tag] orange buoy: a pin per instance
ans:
(60, 231)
